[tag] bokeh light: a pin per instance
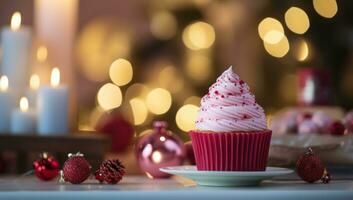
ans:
(158, 101)
(170, 78)
(199, 35)
(186, 116)
(139, 111)
(163, 25)
(302, 50)
(121, 72)
(278, 50)
(326, 8)
(99, 44)
(42, 53)
(198, 67)
(109, 96)
(297, 20)
(273, 37)
(271, 30)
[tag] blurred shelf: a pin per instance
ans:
(83, 141)
(93, 145)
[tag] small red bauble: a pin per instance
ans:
(76, 169)
(110, 171)
(46, 167)
(336, 128)
(118, 129)
(310, 167)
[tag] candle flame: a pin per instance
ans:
(34, 82)
(4, 83)
(55, 77)
(16, 21)
(42, 53)
(24, 104)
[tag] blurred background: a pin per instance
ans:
(154, 59)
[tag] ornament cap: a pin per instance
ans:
(76, 154)
(309, 151)
(160, 126)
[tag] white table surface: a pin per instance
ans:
(138, 187)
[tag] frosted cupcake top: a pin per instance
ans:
(229, 106)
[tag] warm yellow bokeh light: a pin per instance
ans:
(194, 100)
(158, 101)
(278, 50)
(186, 116)
(302, 51)
(16, 21)
(273, 37)
(270, 30)
(121, 72)
(4, 83)
(42, 53)
(139, 111)
(109, 96)
(297, 20)
(198, 67)
(55, 77)
(163, 25)
(199, 35)
(24, 104)
(34, 82)
(171, 79)
(326, 8)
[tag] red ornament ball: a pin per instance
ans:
(190, 156)
(76, 169)
(46, 167)
(118, 129)
(336, 128)
(309, 167)
(110, 171)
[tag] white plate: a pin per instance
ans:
(226, 178)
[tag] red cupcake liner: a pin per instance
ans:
(235, 151)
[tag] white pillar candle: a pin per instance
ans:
(34, 83)
(53, 107)
(16, 45)
(55, 25)
(7, 103)
(23, 119)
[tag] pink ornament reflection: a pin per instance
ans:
(159, 148)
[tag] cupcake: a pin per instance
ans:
(231, 134)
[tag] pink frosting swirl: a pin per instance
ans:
(229, 106)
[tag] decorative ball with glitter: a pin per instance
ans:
(76, 168)
(309, 167)
(110, 171)
(46, 167)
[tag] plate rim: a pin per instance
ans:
(277, 171)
